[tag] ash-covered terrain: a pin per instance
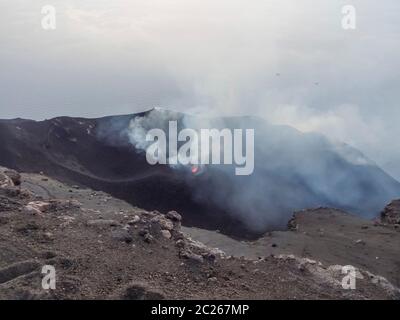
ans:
(104, 248)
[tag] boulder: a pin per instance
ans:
(174, 216)
(36, 207)
(391, 213)
(165, 224)
(5, 181)
(141, 291)
(292, 223)
(148, 238)
(134, 220)
(122, 235)
(192, 256)
(14, 176)
(166, 234)
(180, 244)
(42, 206)
(31, 210)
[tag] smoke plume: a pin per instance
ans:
(293, 171)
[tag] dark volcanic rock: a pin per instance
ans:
(141, 291)
(14, 176)
(174, 216)
(122, 235)
(391, 213)
(292, 224)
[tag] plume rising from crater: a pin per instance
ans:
(292, 170)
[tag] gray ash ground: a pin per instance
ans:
(104, 248)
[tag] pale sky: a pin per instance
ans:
(211, 56)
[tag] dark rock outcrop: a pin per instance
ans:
(391, 213)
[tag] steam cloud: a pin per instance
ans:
(293, 171)
(229, 56)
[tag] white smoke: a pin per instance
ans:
(140, 126)
(228, 56)
(292, 171)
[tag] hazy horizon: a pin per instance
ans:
(290, 62)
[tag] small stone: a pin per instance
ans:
(31, 210)
(14, 176)
(359, 241)
(40, 205)
(193, 257)
(135, 220)
(212, 280)
(48, 235)
(209, 257)
(122, 235)
(179, 235)
(165, 224)
(301, 267)
(74, 203)
(292, 224)
(174, 216)
(245, 287)
(310, 261)
(148, 237)
(391, 213)
(143, 232)
(180, 243)
(166, 234)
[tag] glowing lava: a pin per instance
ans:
(195, 169)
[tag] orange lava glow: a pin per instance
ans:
(195, 170)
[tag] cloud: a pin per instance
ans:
(274, 59)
